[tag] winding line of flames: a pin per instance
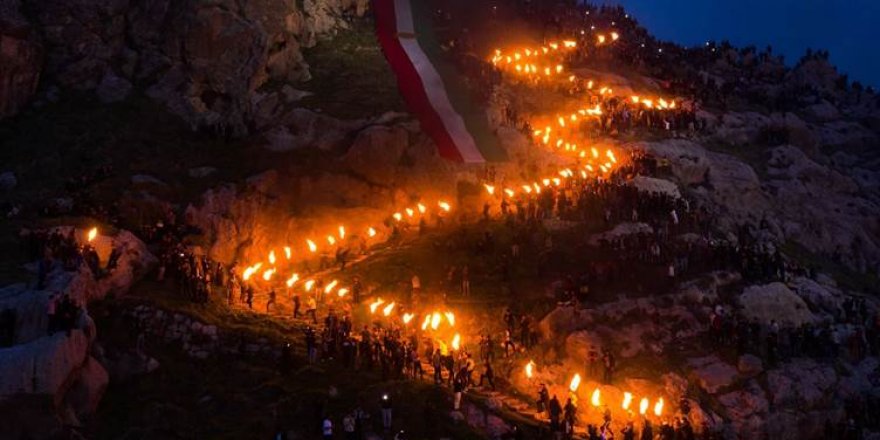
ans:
(596, 395)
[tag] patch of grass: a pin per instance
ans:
(350, 77)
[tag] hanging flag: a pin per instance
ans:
(432, 88)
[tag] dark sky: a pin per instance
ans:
(849, 29)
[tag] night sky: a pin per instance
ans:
(849, 29)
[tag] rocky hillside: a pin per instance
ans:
(65, 367)
(204, 61)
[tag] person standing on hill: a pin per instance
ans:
(387, 407)
(312, 309)
(327, 429)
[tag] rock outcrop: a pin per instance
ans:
(203, 61)
(21, 58)
(775, 302)
(60, 364)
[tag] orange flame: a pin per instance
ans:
(627, 399)
(444, 206)
(371, 232)
(272, 257)
(342, 292)
(643, 406)
(658, 407)
(249, 271)
(456, 341)
(309, 284)
(375, 304)
(312, 246)
(450, 317)
(292, 280)
(331, 239)
(92, 234)
(267, 275)
(407, 317)
(422, 208)
(435, 321)
(530, 369)
(330, 286)
(341, 232)
(387, 310)
(426, 322)
(489, 188)
(575, 383)
(595, 398)
(287, 252)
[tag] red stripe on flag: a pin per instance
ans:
(409, 82)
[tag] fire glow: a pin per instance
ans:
(595, 398)
(575, 383)
(387, 310)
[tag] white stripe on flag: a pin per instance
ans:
(438, 98)
(403, 14)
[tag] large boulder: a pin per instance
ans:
(30, 304)
(747, 409)
(822, 299)
(221, 60)
(47, 365)
(87, 391)
(562, 321)
(712, 374)
(376, 153)
(734, 188)
(775, 301)
(21, 59)
(655, 185)
(579, 344)
(749, 365)
(823, 209)
(687, 159)
(301, 128)
(620, 231)
(822, 111)
(803, 384)
(741, 129)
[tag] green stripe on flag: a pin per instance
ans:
(474, 115)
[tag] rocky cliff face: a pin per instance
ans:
(818, 189)
(203, 60)
(21, 57)
(62, 365)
